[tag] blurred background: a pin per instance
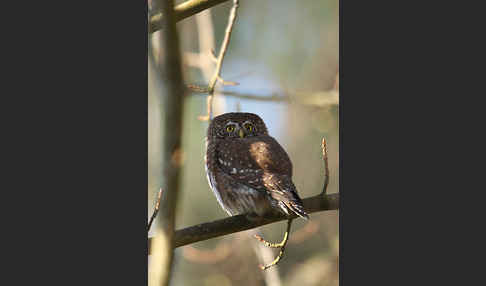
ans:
(286, 51)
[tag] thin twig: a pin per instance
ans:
(225, 82)
(326, 166)
(219, 62)
(224, 45)
(197, 88)
(156, 209)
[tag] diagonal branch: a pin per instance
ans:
(239, 223)
(182, 11)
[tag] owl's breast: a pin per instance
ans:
(235, 171)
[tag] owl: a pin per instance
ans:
(247, 169)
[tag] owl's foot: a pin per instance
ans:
(280, 245)
(271, 244)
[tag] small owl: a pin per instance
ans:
(248, 171)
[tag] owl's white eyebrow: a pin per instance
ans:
(231, 122)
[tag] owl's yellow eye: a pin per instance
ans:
(230, 128)
(249, 127)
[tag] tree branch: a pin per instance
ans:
(172, 112)
(239, 223)
(182, 11)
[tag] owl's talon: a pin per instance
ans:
(275, 261)
(280, 245)
(269, 244)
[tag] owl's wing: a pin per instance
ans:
(248, 160)
(282, 189)
(262, 164)
(253, 153)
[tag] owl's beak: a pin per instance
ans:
(241, 133)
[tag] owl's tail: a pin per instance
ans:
(297, 208)
(283, 190)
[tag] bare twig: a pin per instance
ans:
(197, 88)
(239, 223)
(225, 82)
(219, 62)
(182, 11)
(224, 45)
(156, 209)
(326, 165)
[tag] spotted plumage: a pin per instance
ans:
(248, 170)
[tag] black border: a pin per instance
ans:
(76, 166)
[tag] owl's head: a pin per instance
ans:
(236, 125)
